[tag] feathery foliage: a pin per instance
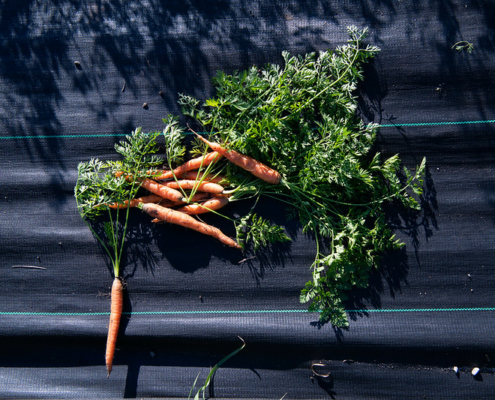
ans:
(301, 120)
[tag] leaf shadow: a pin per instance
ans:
(137, 250)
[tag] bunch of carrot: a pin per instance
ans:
(174, 197)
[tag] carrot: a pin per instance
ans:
(196, 176)
(195, 185)
(169, 203)
(153, 198)
(120, 206)
(181, 219)
(257, 168)
(156, 188)
(162, 190)
(190, 165)
(207, 206)
(117, 303)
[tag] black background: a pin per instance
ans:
(428, 309)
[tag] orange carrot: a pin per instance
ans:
(207, 206)
(120, 206)
(199, 196)
(162, 190)
(156, 188)
(195, 185)
(153, 198)
(179, 218)
(117, 303)
(190, 165)
(196, 176)
(169, 203)
(257, 168)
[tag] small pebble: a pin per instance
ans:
(162, 95)
(456, 370)
(77, 64)
(475, 371)
(145, 106)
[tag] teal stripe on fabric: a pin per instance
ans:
(240, 312)
(397, 125)
(27, 313)
(490, 121)
(423, 310)
(65, 136)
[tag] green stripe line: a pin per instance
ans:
(65, 136)
(423, 310)
(399, 310)
(491, 121)
(154, 312)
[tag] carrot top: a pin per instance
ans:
(101, 184)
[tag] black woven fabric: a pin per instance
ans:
(428, 309)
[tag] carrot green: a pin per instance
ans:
(301, 119)
(102, 183)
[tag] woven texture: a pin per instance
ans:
(429, 308)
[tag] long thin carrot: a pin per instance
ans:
(117, 303)
(187, 184)
(209, 205)
(199, 196)
(119, 206)
(152, 198)
(179, 218)
(156, 188)
(257, 168)
(190, 165)
(195, 175)
(162, 190)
